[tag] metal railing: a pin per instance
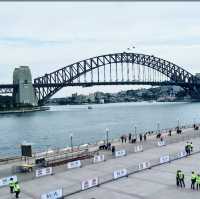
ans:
(108, 177)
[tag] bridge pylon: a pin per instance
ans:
(24, 94)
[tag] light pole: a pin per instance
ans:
(71, 141)
(178, 124)
(135, 131)
(158, 127)
(107, 130)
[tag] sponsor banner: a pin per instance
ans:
(5, 181)
(138, 148)
(44, 172)
(120, 153)
(74, 164)
(53, 194)
(144, 165)
(86, 184)
(161, 143)
(181, 154)
(98, 158)
(164, 159)
(120, 173)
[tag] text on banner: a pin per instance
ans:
(86, 184)
(74, 164)
(53, 194)
(120, 173)
(120, 153)
(44, 172)
(5, 181)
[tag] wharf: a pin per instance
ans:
(157, 182)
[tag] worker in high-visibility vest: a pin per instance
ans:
(11, 185)
(17, 189)
(198, 181)
(181, 179)
(193, 180)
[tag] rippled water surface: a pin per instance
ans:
(52, 128)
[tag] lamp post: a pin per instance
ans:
(158, 127)
(71, 141)
(107, 131)
(178, 124)
(135, 131)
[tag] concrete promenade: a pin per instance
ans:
(158, 182)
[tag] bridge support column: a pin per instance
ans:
(24, 95)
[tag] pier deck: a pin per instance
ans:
(158, 182)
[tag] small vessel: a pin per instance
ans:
(90, 107)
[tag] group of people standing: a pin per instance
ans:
(14, 187)
(180, 180)
(188, 148)
(133, 139)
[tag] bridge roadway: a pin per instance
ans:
(158, 182)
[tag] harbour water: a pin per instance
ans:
(52, 128)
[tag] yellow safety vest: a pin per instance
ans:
(181, 175)
(193, 177)
(11, 183)
(16, 188)
(198, 179)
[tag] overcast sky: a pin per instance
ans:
(50, 35)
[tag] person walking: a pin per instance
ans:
(191, 147)
(16, 189)
(198, 181)
(129, 137)
(145, 137)
(177, 178)
(140, 137)
(193, 180)
(11, 185)
(181, 177)
(187, 148)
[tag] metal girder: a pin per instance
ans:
(66, 75)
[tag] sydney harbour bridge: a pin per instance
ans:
(112, 69)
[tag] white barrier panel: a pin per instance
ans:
(182, 154)
(74, 164)
(53, 194)
(44, 172)
(120, 173)
(138, 148)
(144, 165)
(120, 153)
(5, 181)
(98, 158)
(161, 143)
(164, 159)
(86, 184)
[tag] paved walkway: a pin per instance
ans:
(150, 184)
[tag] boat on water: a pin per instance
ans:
(90, 107)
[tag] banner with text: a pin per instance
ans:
(98, 158)
(144, 165)
(44, 172)
(86, 184)
(53, 194)
(181, 154)
(138, 148)
(5, 181)
(120, 153)
(74, 164)
(164, 158)
(120, 173)
(161, 143)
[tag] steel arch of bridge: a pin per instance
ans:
(47, 85)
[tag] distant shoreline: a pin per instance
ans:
(25, 110)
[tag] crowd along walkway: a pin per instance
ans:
(158, 182)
